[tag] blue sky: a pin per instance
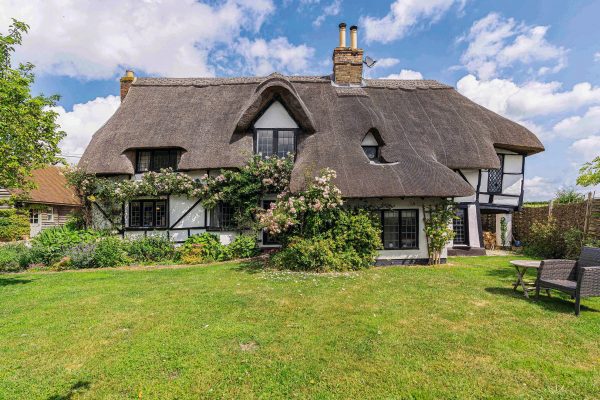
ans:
(536, 62)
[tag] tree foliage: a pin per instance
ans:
(589, 174)
(29, 134)
(568, 196)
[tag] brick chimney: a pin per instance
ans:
(348, 61)
(126, 82)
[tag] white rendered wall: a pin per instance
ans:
(472, 176)
(276, 116)
(473, 221)
(404, 204)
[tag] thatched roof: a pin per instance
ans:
(428, 129)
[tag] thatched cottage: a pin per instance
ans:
(396, 145)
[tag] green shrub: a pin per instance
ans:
(110, 252)
(14, 257)
(52, 244)
(105, 252)
(545, 240)
(75, 221)
(311, 254)
(203, 248)
(573, 239)
(81, 256)
(151, 249)
(244, 246)
(13, 225)
(350, 244)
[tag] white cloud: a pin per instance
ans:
(404, 15)
(95, 40)
(83, 121)
(262, 57)
(496, 43)
(587, 149)
(387, 62)
(529, 100)
(332, 9)
(405, 74)
(597, 57)
(539, 188)
(579, 126)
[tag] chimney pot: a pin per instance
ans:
(353, 37)
(126, 82)
(347, 61)
(342, 35)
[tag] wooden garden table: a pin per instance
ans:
(522, 266)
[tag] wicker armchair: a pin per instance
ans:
(578, 278)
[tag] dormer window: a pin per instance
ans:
(371, 146)
(155, 160)
(275, 132)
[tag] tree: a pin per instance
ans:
(29, 134)
(568, 195)
(589, 174)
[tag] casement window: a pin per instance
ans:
(371, 144)
(222, 217)
(400, 229)
(155, 160)
(460, 226)
(148, 214)
(34, 216)
(48, 215)
(275, 142)
(372, 152)
(495, 177)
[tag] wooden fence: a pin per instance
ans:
(584, 216)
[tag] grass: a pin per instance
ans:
(233, 331)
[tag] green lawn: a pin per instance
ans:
(230, 331)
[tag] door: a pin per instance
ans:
(35, 222)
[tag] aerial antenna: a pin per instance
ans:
(369, 62)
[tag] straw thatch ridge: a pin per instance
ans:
(428, 129)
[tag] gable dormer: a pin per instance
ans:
(275, 132)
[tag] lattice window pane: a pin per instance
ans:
(161, 213)
(264, 143)
(143, 164)
(408, 229)
(495, 179)
(285, 143)
(148, 213)
(135, 214)
(391, 230)
(459, 225)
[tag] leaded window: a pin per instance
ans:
(155, 160)
(459, 225)
(400, 229)
(148, 214)
(275, 142)
(222, 217)
(495, 178)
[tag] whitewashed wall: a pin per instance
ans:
(404, 204)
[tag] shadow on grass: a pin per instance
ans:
(75, 389)
(557, 302)
(13, 281)
(251, 266)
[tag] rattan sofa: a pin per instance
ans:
(578, 278)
